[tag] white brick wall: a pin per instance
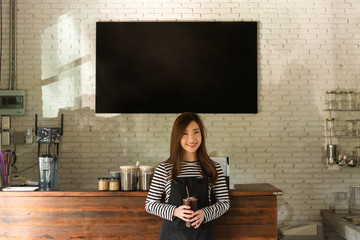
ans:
(305, 48)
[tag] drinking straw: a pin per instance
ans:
(187, 191)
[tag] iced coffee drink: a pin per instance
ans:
(193, 203)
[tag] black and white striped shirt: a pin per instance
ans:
(161, 183)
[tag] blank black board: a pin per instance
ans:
(173, 67)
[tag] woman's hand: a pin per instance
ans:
(183, 212)
(197, 218)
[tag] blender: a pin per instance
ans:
(48, 162)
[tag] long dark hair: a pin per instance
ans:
(176, 151)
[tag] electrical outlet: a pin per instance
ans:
(5, 122)
(5, 138)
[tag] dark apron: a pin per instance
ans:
(176, 229)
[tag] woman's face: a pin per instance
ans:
(191, 139)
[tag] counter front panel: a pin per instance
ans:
(121, 215)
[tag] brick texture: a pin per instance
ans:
(305, 48)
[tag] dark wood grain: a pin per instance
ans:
(120, 215)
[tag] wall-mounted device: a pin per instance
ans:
(12, 102)
(143, 67)
(5, 122)
(5, 138)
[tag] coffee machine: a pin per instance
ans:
(48, 162)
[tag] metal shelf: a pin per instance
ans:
(355, 137)
(340, 110)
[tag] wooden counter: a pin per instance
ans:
(121, 215)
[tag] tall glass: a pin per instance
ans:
(193, 203)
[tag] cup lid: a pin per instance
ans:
(128, 168)
(144, 168)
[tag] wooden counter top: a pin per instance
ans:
(121, 215)
(262, 189)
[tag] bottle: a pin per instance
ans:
(28, 136)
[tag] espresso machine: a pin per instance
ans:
(48, 162)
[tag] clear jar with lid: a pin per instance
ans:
(349, 100)
(340, 96)
(129, 178)
(350, 128)
(103, 184)
(330, 99)
(330, 126)
(357, 149)
(357, 97)
(357, 127)
(114, 184)
(146, 174)
(354, 201)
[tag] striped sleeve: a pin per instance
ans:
(157, 189)
(222, 202)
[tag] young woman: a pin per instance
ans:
(188, 167)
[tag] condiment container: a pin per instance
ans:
(114, 184)
(146, 174)
(103, 184)
(128, 178)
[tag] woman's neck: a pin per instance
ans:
(190, 157)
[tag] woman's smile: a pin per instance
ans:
(191, 139)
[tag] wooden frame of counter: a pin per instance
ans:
(121, 215)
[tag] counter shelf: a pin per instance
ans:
(116, 214)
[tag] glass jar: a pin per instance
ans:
(341, 202)
(355, 199)
(146, 174)
(350, 128)
(330, 99)
(357, 152)
(349, 100)
(114, 184)
(357, 97)
(103, 184)
(330, 126)
(357, 127)
(129, 178)
(340, 100)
